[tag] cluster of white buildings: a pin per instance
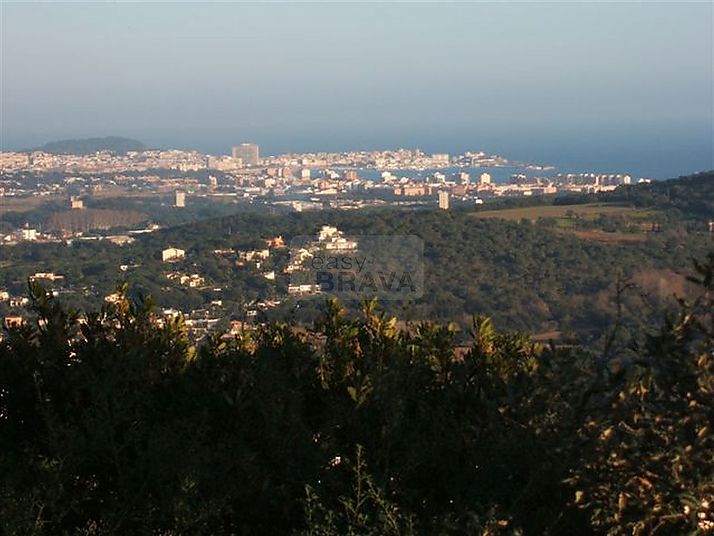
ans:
(300, 181)
(394, 159)
(329, 241)
(24, 234)
(332, 239)
(244, 155)
(187, 280)
(103, 161)
(460, 185)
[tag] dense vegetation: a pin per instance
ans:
(684, 197)
(120, 426)
(535, 276)
(525, 276)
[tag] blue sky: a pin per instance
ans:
(529, 79)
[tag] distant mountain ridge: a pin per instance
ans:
(86, 146)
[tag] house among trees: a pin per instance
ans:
(49, 276)
(331, 238)
(275, 242)
(14, 322)
(172, 254)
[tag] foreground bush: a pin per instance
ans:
(115, 424)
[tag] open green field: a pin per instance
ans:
(566, 218)
(603, 237)
(564, 212)
(566, 215)
(26, 204)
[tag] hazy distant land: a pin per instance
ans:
(115, 144)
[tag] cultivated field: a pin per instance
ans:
(26, 204)
(603, 237)
(563, 212)
(565, 220)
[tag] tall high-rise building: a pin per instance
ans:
(180, 199)
(444, 200)
(249, 153)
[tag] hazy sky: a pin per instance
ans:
(547, 80)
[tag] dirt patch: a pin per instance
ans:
(604, 237)
(663, 283)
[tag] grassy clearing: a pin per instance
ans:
(566, 217)
(603, 237)
(25, 204)
(564, 212)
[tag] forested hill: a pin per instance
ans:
(554, 272)
(528, 272)
(691, 196)
(687, 197)
(86, 146)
